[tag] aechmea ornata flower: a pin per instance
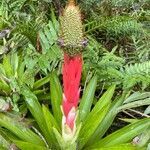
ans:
(71, 35)
(72, 42)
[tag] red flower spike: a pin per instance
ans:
(72, 69)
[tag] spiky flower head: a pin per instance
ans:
(72, 29)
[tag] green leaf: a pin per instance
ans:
(8, 134)
(29, 146)
(4, 141)
(54, 21)
(53, 31)
(147, 110)
(59, 138)
(144, 138)
(7, 66)
(95, 116)
(87, 98)
(48, 34)
(89, 127)
(5, 87)
(123, 135)
(44, 41)
(107, 121)
(129, 120)
(127, 146)
(41, 82)
(2, 69)
(36, 110)
(50, 120)
(21, 69)
(3, 148)
(28, 77)
(14, 63)
(56, 97)
(19, 130)
(137, 96)
(135, 104)
(51, 123)
(42, 96)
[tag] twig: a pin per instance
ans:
(128, 114)
(138, 112)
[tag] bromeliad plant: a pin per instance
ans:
(70, 125)
(89, 128)
(72, 44)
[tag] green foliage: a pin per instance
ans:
(38, 57)
(27, 145)
(112, 69)
(95, 117)
(56, 97)
(48, 130)
(137, 73)
(107, 121)
(22, 35)
(4, 142)
(19, 130)
(115, 27)
(118, 53)
(87, 99)
(122, 135)
(105, 64)
(14, 74)
(137, 99)
(123, 3)
(37, 113)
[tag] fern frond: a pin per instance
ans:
(122, 3)
(137, 73)
(118, 26)
(106, 64)
(25, 27)
(93, 25)
(122, 26)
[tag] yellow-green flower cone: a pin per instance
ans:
(72, 29)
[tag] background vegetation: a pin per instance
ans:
(118, 52)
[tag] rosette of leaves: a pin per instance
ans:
(92, 122)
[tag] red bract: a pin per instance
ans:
(72, 68)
